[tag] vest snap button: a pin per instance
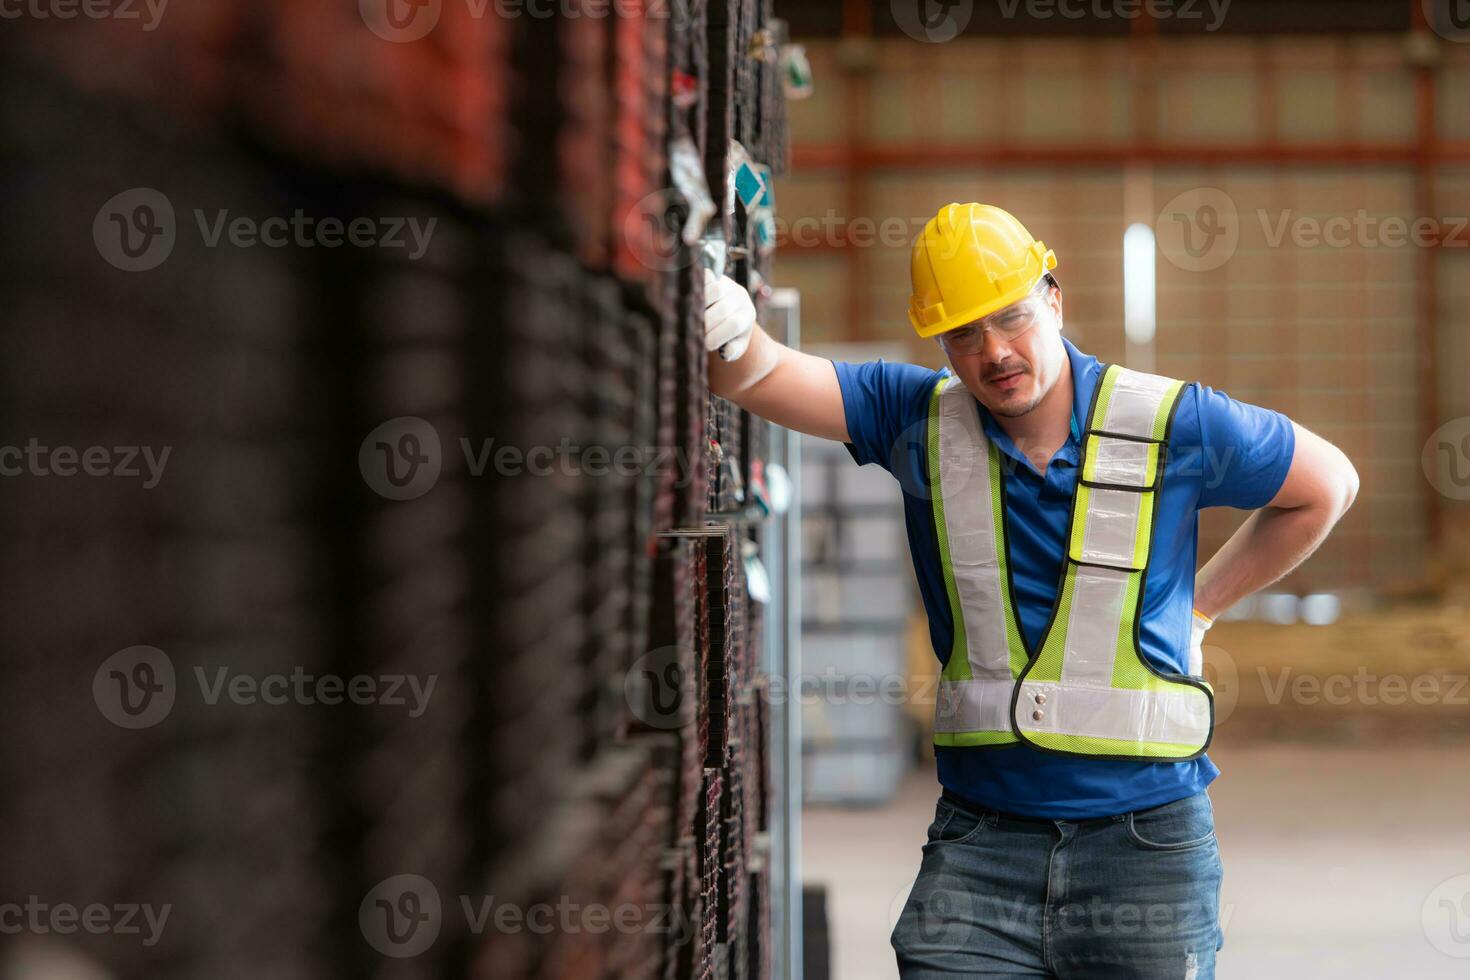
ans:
(1040, 698)
(1037, 714)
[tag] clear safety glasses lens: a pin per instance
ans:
(1009, 324)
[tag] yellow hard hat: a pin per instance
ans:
(971, 260)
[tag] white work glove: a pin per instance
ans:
(1199, 624)
(729, 316)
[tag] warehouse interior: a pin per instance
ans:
(390, 597)
(1253, 137)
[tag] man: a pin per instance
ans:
(1051, 504)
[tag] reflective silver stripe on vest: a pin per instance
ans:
(982, 705)
(1085, 703)
(1122, 462)
(1106, 559)
(1112, 525)
(1135, 403)
(1092, 625)
(964, 486)
(1171, 715)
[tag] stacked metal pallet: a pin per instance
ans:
(527, 535)
(138, 773)
(591, 897)
(723, 728)
(745, 122)
(452, 472)
(429, 110)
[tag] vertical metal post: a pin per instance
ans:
(783, 664)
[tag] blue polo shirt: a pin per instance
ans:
(1222, 453)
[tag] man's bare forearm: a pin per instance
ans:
(731, 379)
(1320, 486)
(1270, 543)
(789, 387)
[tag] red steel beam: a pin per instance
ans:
(827, 156)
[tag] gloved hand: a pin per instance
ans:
(729, 316)
(1199, 625)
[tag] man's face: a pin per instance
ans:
(1017, 359)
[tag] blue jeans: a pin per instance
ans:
(1134, 896)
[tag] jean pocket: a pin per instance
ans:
(1177, 826)
(952, 825)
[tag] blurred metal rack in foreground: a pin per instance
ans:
(469, 462)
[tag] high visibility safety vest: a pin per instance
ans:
(1087, 689)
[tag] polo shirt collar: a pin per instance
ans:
(1085, 373)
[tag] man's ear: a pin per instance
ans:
(1054, 296)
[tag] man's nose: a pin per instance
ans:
(993, 349)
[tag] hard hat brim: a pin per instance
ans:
(951, 321)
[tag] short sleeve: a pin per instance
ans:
(1245, 451)
(882, 402)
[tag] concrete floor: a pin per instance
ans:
(1346, 863)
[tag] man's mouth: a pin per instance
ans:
(1007, 382)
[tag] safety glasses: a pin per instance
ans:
(1009, 324)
